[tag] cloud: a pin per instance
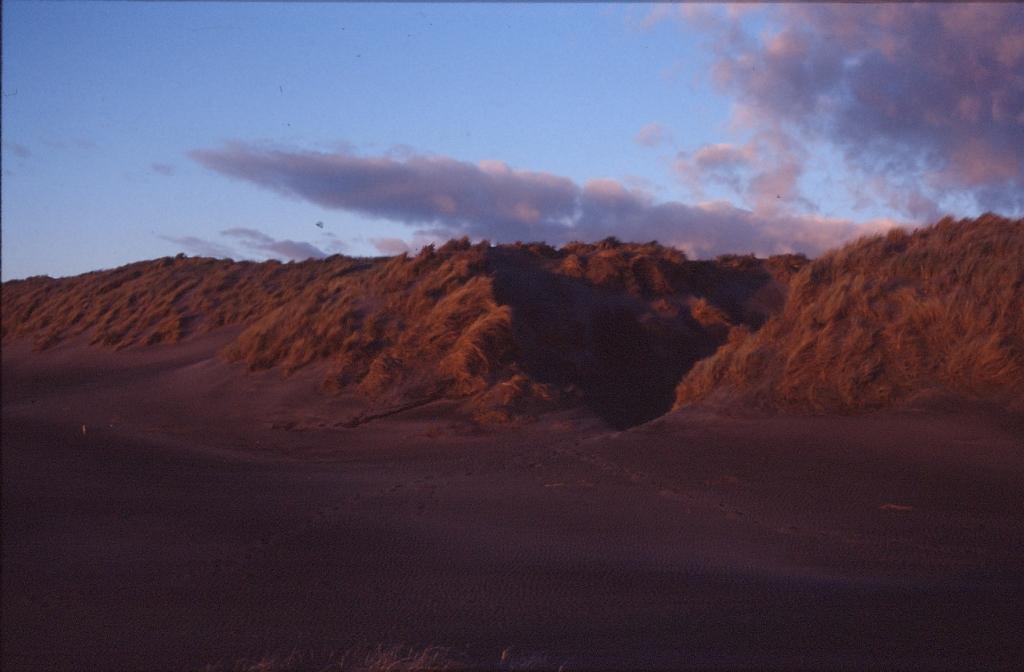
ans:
(432, 191)
(201, 246)
(711, 157)
(393, 246)
(261, 242)
(253, 240)
(390, 246)
(162, 168)
(442, 198)
(333, 244)
(930, 96)
(764, 172)
(652, 135)
(705, 229)
(723, 163)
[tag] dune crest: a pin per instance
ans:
(510, 331)
(628, 330)
(883, 319)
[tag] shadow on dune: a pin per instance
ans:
(624, 333)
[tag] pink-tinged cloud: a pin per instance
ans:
(764, 172)
(390, 246)
(428, 196)
(930, 95)
(280, 249)
(427, 190)
(252, 240)
(721, 163)
(653, 135)
(705, 229)
(201, 246)
(710, 157)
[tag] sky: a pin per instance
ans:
(284, 130)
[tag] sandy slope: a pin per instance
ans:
(205, 515)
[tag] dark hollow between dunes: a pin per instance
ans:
(625, 358)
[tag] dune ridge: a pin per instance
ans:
(628, 330)
(509, 330)
(881, 320)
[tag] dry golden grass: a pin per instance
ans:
(519, 329)
(882, 319)
(160, 301)
(514, 329)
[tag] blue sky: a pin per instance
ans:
(108, 109)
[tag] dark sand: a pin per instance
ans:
(205, 515)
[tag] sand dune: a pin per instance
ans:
(512, 330)
(469, 456)
(885, 319)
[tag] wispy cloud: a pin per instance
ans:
(653, 135)
(440, 197)
(705, 229)
(201, 246)
(252, 240)
(722, 163)
(284, 249)
(162, 168)
(764, 172)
